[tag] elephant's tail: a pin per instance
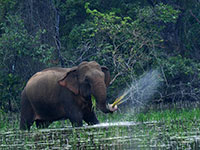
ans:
(23, 98)
(27, 113)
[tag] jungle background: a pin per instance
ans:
(129, 37)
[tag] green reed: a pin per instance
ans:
(10, 121)
(153, 128)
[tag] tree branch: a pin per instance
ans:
(118, 74)
(194, 16)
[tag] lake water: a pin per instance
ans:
(116, 136)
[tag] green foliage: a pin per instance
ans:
(3, 124)
(130, 46)
(166, 13)
(181, 77)
(94, 103)
(181, 67)
(125, 45)
(16, 43)
(18, 52)
(6, 6)
(10, 89)
(190, 37)
(8, 121)
(169, 115)
(129, 37)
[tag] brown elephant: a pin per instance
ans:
(65, 93)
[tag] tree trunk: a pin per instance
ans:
(57, 34)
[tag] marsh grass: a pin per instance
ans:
(173, 127)
(10, 121)
(170, 115)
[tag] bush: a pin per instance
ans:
(182, 79)
(132, 46)
(21, 55)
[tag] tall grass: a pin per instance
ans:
(10, 121)
(170, 115)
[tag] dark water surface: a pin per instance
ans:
(116, 136)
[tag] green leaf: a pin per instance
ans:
(93, 99)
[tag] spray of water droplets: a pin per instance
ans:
(143, 89)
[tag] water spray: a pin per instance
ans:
(142, 89)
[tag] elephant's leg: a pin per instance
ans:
(75, 116)
(90, 118)
(42, 123)
(76, 119)
(76, 123)
(27, 114)
(73, 113)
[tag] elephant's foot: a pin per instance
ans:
(42, 124)
(91, 119)
(93, 122)
(76, 124)
(24, 125)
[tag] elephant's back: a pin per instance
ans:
(56, 69)
(47, 75)
(43, 91)
(44, 83)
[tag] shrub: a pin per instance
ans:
(21, 55)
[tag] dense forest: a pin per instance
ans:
(129, 37)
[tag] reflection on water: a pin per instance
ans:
(120, 135)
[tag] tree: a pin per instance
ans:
(21, 55)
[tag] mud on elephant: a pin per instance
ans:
(65, 93)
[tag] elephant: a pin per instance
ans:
(65, 93)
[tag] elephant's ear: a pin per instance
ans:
(107, 75)
(70, 81)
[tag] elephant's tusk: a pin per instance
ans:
(122, 101)
(118, 100)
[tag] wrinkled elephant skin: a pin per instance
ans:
(65, 93)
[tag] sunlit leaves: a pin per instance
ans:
(166, 13)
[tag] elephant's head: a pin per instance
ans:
(89, 78)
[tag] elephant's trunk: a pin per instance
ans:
(99, 92)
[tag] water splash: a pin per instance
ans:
(143, 89)
(111, 124)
